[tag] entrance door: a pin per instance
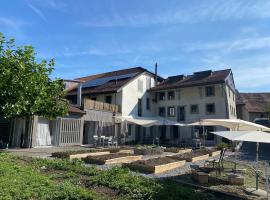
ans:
(43, 137)
(181, 114)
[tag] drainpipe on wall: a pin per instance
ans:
(79, 95)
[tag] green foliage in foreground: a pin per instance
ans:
(126, 182)
(20, 181)
(26, 87)
(26, 178)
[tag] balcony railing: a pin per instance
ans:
(97, 105)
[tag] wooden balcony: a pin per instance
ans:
(97, 105)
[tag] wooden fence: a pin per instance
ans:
(70, 132)
(96, 105)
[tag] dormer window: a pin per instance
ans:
(171, 95)
(210, 91)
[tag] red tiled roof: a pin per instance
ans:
(198, 78)
(255, 102)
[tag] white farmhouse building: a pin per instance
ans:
(187, 99)
(138, 92)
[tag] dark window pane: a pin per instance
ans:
(194, 109)
(161, 111)
(108, 99)
(210, 91)
(139, 107)
(210, 108)
(171, 95)
(162, 96)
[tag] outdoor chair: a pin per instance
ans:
(95, 140)
(112, 142)
(218, 163)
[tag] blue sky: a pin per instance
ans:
(92, 36)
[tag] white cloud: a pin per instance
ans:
(207, 11)
(254, 43)
(38, 12)
(12, 23)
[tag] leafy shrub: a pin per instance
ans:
(122, 179)
(173, 191)
(222, 145)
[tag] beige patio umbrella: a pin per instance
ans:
(235, 124)
(247, 136)
(232, 124)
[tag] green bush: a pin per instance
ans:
(222, 145)
(171, 190)
(122, 179)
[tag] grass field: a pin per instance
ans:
(28, 178)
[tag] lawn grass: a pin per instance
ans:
(28, 178)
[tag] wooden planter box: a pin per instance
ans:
(214, 153)
(190, 158)
(155, 169)
(198, 158)
(84, 155)
(130, 151)
(126, 159)
(178, 151)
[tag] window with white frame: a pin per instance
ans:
(171, 111)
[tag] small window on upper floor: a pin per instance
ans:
(161, 96)
(108, 99)
(171, 95)
(210, 91)
(210, 109)
(140, 85)
(161, 111)
(148, 83)
(171, 111)
(194, 109)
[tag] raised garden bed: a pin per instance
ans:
(178, 150)
(90, 152)
(66, 154)
(191, 157)
(212, 152)
(156, 165)
(111, 158)
(148, 151)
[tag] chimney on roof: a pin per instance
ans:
(79, 95)
(156, 74)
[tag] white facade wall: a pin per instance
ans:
(131, 94)
(197, 96)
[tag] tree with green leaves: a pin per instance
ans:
(26, 88)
